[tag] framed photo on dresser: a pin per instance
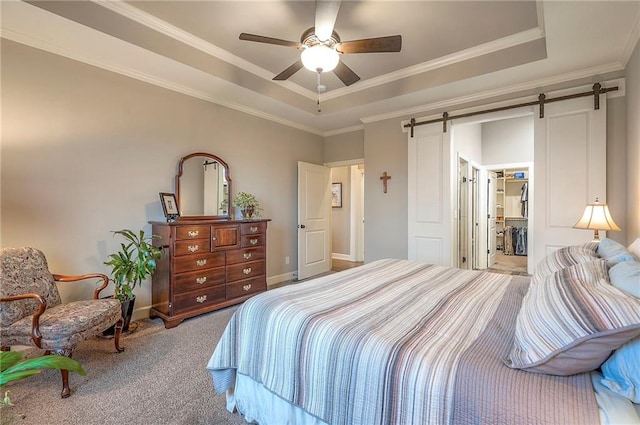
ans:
(169, 206)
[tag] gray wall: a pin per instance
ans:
(633, 146)
(86, 151)
(344, 146)
(385, 214)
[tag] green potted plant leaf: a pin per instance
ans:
(133, 263)
(12, 369)
(248, 204)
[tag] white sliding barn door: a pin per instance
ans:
(430, 206)
(570, 171)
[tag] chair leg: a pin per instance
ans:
(66, 391)
(116, 337)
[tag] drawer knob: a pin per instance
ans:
(201, 280)
(193, 233)
(246, 255)
(201, 299)
(253, 241)
(253, 229)
(201, 262)
(193, 248)
(247, 270)
(246, 287)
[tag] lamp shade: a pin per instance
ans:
(596, 217)
(320, 58)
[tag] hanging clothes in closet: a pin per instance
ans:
(515, 240)
(524, 200)
(520, 240)
(508, 240)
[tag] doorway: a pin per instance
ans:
(510, 234)
(487, 150)
(348, 217)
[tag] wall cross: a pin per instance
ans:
(384, 179)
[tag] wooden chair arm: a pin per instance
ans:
(36, 336)
(96, 293)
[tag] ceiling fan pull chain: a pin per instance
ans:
(321, 89)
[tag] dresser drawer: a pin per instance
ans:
(252, 228)
(195, 246)
(198, 299)
(246, 254)
(192, 232)
(189, 281)
(189, 263)
(247, 241)
(246, 287)
(245, 270)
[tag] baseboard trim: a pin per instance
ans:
(345, 257)
(273, 280)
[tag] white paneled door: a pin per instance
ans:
(430, 207)
(570, 171)
(314, 220)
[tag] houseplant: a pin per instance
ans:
(133, 263)
(12, 368)
(248, 204)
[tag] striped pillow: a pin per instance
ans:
(561, 258)
(572, 321)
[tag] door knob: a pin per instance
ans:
(302, 226)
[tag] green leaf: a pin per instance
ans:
(8, 359)
(19, 370)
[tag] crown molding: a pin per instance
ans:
(463, 55)
(344, 130)
(163, 27)
(171, 31)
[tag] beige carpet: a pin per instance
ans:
(160, 378)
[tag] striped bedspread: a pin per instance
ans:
(397, 342)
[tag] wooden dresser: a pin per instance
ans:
(207, 265)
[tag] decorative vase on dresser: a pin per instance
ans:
(207, 265)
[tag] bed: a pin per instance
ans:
(401, 342)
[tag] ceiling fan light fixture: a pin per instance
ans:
(320, 58)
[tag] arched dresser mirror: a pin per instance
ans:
(203, 187)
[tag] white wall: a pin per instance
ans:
(507, 141)
(467, 140)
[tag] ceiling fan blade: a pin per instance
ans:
(326, 14)
(270, 40)
(345, 74)
(392, 43)
(297, 66)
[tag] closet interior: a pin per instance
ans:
(512, 211)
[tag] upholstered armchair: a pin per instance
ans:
(32, 313)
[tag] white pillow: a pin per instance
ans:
(634, 248)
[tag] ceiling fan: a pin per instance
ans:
(321, 46)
